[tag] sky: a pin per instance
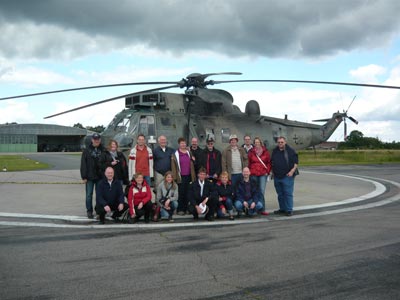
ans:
(50, 45)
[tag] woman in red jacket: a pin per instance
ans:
(139, 199)
(260, 166)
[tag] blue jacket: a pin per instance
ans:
(162, 160)
(109, 195)
(255, 194)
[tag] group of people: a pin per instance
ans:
(189, 180)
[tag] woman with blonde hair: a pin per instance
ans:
(139, 199)
(167, 196)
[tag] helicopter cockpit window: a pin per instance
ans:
(147, 126)
(225, 133)
(123, 124)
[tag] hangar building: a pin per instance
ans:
(40, 138)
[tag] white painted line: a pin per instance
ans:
(349, 209)
(142, 226)
(205, 223)
(379, 190)
(51, 217)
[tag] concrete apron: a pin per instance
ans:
(60, 195)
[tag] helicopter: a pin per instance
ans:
(205, 113)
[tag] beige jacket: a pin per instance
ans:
(227, 159)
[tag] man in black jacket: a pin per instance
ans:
(201, 192)
(110, 196)
(284, 161)
(211, 161)
(196, 153)
(91, 170)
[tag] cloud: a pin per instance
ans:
(31, 76)
(368, 73)
(15, 111)
(69, 29)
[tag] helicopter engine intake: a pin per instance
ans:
(252, 108)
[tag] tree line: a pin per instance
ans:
(98, 128)
(357, 140)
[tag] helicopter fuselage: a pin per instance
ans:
(205, 113)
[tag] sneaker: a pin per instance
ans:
(90, 215)
(231, 218)
(264, 213)
(289, 214)
(279, 212)
(170, 219)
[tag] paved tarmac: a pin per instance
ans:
(61, 192)
(345, 250)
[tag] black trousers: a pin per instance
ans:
(145, 211)
(114, 208)
(212, 207)
(183, 189)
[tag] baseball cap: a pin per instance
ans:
(96, 136)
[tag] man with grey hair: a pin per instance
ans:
(162, 159)
(284, 161)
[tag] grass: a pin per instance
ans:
(306, 158)
(20, 163)
(348, 157)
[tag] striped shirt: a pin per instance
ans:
(236, 161)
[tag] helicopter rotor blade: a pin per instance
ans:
(321, 120)
(351, 103)
(204, 76)
(87, 88)
(308, 82)
(353, 120)
(111, 99)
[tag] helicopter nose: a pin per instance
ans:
(124, 141)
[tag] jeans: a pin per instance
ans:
(167, 213)
(258, 208)
(284, 188)
(262, 184)
(235, 178)
(90, 186)
(148, 179)
(227, 204)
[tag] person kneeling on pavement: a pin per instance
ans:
(225, 195)
(167, 196)
(110, 197)
(248, 195)
(139, 199)
(201, 194)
